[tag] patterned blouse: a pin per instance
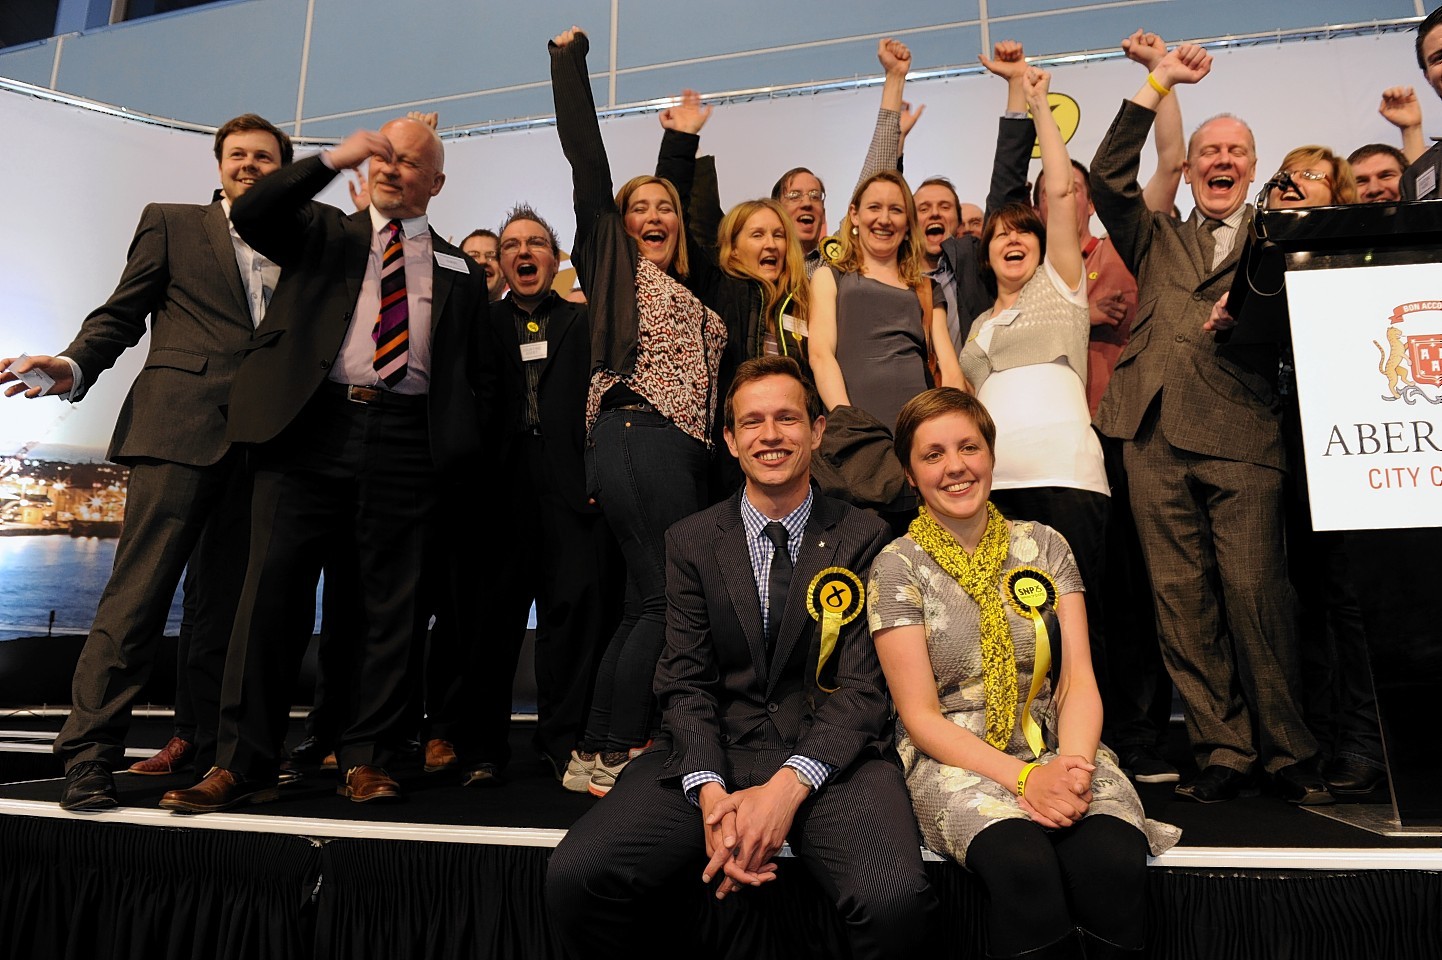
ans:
(678, 355)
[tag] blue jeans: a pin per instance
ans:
(648, 475)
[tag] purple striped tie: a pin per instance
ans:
(391, 333)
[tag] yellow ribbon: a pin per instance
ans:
(1029, 590)
(834, 598)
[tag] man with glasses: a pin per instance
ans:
(483, 247)
(558, 552)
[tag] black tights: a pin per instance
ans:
(1043, 883)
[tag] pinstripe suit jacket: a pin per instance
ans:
(714, 683)
(1218, 400)
(181, 274)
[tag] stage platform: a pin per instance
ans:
(457, 872)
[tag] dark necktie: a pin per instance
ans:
(1207, 235)
(779, 583)
(392, 329)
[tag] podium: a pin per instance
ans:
(1356, 293)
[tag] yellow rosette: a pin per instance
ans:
(1029, 590)
(834, 599)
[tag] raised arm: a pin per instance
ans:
(1015, 134)
(1401, 110)
(885, 147)
(579, 130)
(677, 162)
(821, 325)
(272, 215)
(1116, 193)
(1160, 193)
(1063, 248)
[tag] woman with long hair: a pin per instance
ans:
(876, 327)
(981, 631)
(656, 355)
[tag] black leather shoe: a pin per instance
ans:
(1217, 783)
(89, 786)
(1301, 784)
(1346, 777)
(309, 752)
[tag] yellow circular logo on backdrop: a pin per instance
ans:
(1068, 117)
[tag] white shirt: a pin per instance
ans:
(355, 363)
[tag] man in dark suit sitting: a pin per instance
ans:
(204, 290)
(369, 383)
(771, 733)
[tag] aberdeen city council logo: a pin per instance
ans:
(1411, 361)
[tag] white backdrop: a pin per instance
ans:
(77, 179)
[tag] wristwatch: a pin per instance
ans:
(805, 780)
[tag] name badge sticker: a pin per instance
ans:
(1426, 183)
(533, 351)
(794, 325)
(450, 262)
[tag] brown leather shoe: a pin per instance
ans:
(365, 784)
(328, 762)
(174, 755)
(440, 755)
(220, 790)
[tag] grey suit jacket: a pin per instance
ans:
(1218, 400)
(181, 273)
(714, 682)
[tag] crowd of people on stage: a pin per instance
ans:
(853, 541)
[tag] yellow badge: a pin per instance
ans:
(533, 326)
(834, 599)
(1093, 275)
(830, 248)
(1029, 589)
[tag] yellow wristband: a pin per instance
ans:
(1152, 82)
(1021, 779)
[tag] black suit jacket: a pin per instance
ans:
(323, 255)
(715, 685)
(1431, 160)
(181, 273)
(561, 392)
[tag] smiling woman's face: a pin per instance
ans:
(651, 219)
(760, 246)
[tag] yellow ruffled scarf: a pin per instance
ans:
(979, 574)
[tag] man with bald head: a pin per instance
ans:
(367, 386)
(1199, 421)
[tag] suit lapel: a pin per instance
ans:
(734, 560)
(357, 254)
(442, 280)
(563, 316)
(818, 551)
(217, 231)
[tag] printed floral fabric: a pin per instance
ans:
(678, 355)
(952, 804)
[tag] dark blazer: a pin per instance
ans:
(561, 392)
(1218, 400)
(1431, 160)
(323, 254)
(714, 683)
(181, 273)
(1014, 139)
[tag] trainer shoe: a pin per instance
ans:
(608, 768)
(577, 777)
(1145, 765)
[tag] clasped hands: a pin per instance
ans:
(744, 830)
(1059, 792)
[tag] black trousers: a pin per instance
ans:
(343, 477)
(857, 836)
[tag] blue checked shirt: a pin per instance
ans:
(761, 549)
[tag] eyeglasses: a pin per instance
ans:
(792, 196)
(1312, 175)
(534, 244)
(486, 256)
